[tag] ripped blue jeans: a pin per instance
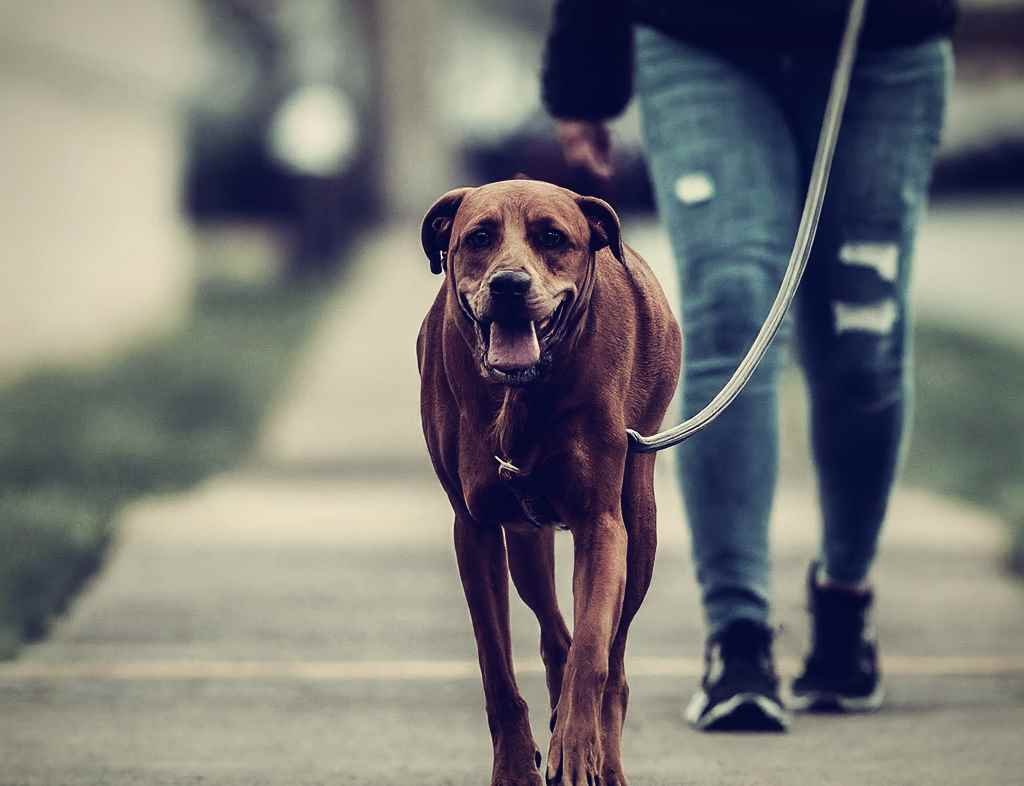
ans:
(730, 140)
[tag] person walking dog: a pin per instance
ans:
(731, 96)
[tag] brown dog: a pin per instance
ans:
(547, 340)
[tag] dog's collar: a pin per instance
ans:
(506, 469)
(536, 510)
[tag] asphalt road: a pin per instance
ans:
(301, 621)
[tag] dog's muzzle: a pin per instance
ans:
(515, 350)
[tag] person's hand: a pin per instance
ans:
(587, 145)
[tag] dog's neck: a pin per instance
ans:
(508, 421)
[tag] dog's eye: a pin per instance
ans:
(479, 239)
(551, 238)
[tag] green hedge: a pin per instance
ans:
(75, 445)
(969, 424)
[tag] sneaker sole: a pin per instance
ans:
(742, 712)
(830, 701)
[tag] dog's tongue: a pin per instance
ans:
(513, 346)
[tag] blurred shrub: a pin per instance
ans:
(50, 542)
(968, 436)
(1014, 507)
(970, 411)
(75, 445)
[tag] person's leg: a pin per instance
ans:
(854, 332)
(727, 184)
(853, 311)
(726, 181)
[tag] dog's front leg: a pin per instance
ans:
(480, 549)
(531, 560)
(640, 517)
(599, 579)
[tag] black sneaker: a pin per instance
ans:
(739, 691)
(841, 671)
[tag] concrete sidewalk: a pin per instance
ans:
(301, 621)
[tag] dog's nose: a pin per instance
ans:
(510, 283)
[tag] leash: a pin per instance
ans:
(798, 258)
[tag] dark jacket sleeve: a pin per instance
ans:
(588, 60)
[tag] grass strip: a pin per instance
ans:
(76, 445)
(968, 438)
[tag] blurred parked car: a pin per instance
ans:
(282, 129)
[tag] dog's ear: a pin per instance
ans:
(436, 231)
(605, 229)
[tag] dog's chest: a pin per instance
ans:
(520, 498)
(531, 499)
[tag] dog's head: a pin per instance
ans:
(520, 258)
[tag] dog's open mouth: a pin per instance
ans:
(512, 346)
(514, 349)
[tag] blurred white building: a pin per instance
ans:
(94, 254)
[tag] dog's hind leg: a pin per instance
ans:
(480, 549)
(531, 560)
(639, 514)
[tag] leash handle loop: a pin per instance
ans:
(798, 258)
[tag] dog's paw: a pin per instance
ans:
(613, 776)
(575, 758)
(531, 778)
(521, 772)
(520, 776)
